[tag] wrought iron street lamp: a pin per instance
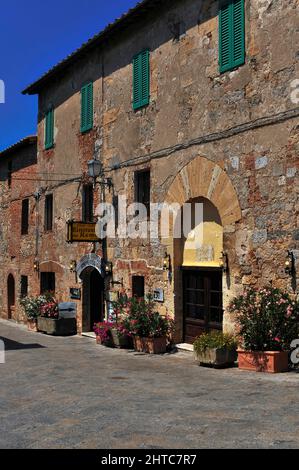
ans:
(95, 170)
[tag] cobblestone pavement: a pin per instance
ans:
(72, 393)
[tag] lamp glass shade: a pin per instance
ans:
(94, 168)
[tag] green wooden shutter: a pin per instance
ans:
(49, 129)
(141, 80)
(83, 109)
(238, 15)
(224, 38)
(136, 83)
(231, 35)
(87, 107)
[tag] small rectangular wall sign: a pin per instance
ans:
(75, 294)
(159, 295)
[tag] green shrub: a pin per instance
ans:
(268, 319)
(139, 318)
(213, 340)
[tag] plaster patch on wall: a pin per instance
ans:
(261, 162)
(215, 176)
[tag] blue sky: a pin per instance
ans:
(34, 36)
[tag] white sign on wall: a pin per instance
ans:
(159, 295)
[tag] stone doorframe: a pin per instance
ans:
(204, 178)
(90, 261)
(85, 266)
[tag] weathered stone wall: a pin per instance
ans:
(194, 111)
(189, 100)
(17, 252)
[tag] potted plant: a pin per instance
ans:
(216, 349)
(31, 307)
(268, 321)
(103, 333)
(120, 333)
(150, 330)
(49, 321)
(121, 337)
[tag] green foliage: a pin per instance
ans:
(268, 319)
(213, 340)
(33, 306)
(138, 317)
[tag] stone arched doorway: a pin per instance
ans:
(200, 286)
(90, 271)
(10, 296)
(93, 299)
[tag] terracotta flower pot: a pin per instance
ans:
(263, 361)
(150, 345)
(32, 325)
(108, 342)
(98, 339)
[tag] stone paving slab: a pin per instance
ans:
(72, 393)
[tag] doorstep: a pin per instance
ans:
(89, 334)
(185, 347)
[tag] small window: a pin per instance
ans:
(25, 217)
(24, 286)
(49, 129)
(141, 80)
(231, 34)
(87, 203)
(9, 173)
(49, 212)
(143, 188)
(87, 107)
(47, 283)
(138, 287)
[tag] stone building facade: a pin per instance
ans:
(18, 166)
(225, 138)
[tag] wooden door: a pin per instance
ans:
(10, 296)
(203, 304)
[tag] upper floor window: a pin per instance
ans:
(141, 79)
(25, 217)
(49, 129)
(87, 107)
(143, 188)
(231, 34)
(49, 212)
(87, 203)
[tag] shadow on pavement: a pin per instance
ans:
(11, 345)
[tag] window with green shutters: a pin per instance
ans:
(87, 107)
(141, 80)
(231, 34)
(49, 129)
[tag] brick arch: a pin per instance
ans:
(203, 178)
(51, 267)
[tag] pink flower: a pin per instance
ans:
(289, 311)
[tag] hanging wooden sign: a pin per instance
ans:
(81, 232)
